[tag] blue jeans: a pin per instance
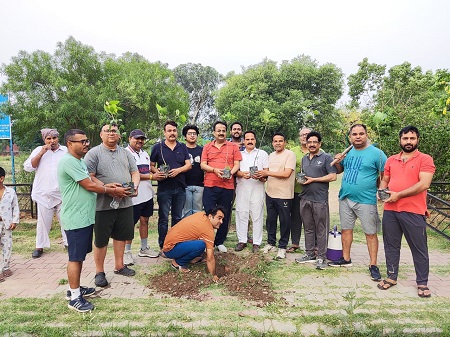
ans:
(184, 252)
(194, 202)
(218, 196)
(169, 200)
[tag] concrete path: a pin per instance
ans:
(42, 277)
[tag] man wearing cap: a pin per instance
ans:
(143, 202)
(44, 161)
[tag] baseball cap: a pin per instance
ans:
(136, 133)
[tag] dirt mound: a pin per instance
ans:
(242, 276)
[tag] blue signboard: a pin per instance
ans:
(5, 121)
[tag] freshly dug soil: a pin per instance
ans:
(242, 276)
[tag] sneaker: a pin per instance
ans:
(269, 248)
(85, 292)
(240, 246)
(255, 249)
(81, 305)
(340, 263)
(321, 264)
(374, 273)
(281, 254)
(100, 280)
(128, 258)
(147, 252)
(306, 258)
(222, 248)
(125, 271)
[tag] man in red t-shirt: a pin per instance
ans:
(220, 161)
(407, 176)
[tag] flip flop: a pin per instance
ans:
(384, 283)
(421, 292)
(292, 249)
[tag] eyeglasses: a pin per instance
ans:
(109, 131)
(83, 141)
(312, 142)
(191, 134)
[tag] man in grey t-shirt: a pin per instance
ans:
(314, 199)
(109, 163)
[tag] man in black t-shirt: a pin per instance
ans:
(194, 177)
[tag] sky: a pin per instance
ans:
(229, 35)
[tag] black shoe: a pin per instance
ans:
(125, 271)
(375, 273)
(81, 305)
(240, 246)
(340, 263)
(37, 253)
(100, 280)
(84, 291)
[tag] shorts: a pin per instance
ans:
(116, 223)
(80, 243)
(367, 214)
(144, 209)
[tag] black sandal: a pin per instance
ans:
(382, 285)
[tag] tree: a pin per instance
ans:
(404, 96)
(200, 82)
(69, 89)
(297, 93)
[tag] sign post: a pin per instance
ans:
(5, 133)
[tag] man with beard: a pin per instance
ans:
(78, 192)
(407, 176)
(171, 180)
(314, 200)
(236, 135)
(250, 193)
(44, 161)
(220, 161)
(362, 166)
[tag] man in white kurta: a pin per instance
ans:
(44, 161)
(250, 193)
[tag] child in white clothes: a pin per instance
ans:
(9, 218)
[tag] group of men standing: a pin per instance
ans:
(191, 178)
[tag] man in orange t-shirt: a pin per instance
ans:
(407, 176)
(186, 242)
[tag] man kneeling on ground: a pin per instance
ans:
(186, 242)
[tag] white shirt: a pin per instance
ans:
(9, 208)
(45, 184)
(145, 189)
(256, 157)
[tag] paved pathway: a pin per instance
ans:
(41, 277)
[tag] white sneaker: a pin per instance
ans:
(128, 258)
(222, 248)
(269, 248)
(281, 254)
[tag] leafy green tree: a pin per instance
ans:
(297, 93)
(405, 95)
(200, 82)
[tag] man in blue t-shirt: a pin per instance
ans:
(169, 160)
(362, 166)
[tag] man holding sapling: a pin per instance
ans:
(220, 161)
(250, 193)
(169, 160)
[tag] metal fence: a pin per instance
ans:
(26, 204)
(438, 202)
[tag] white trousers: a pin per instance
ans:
(6, 247)
(44, 224)
(249, 203)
